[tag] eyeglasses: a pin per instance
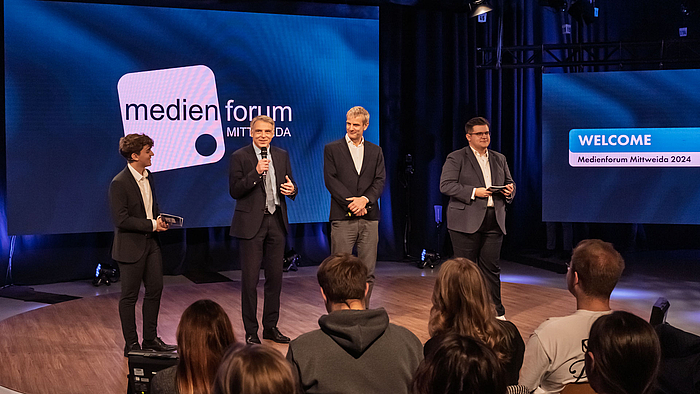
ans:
(481, 134)
(568, 264)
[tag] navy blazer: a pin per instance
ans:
(131, 227)
(461, 174)
(247, 187)
(342, 180)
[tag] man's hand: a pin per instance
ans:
(481, 192)
(287, 188)
(161, 225)
(357, 205)
(508, 190)
(263, 165)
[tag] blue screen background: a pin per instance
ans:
(63, 122)
(638, 99)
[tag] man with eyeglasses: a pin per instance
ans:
(478, 182)
(260, 176)
(555, 353)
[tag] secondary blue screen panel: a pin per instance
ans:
(79, 76)
(621, 147)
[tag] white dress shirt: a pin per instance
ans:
(486, 171)
(357, 152)
(146, 194)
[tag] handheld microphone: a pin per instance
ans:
(263, 154)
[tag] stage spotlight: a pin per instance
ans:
(105, 275)
(428, 258)
(291, 260)
(478, 7)
(659, 311)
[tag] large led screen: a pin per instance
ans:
(621, 147)
(78, 76)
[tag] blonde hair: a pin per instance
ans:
(358, 111)
(461, 304)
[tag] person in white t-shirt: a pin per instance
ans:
(554, 355)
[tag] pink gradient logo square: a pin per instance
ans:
(179, 109)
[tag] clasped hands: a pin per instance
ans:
(357, 205)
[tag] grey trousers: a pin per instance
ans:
(364, 236)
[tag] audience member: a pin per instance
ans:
(462, 305)
(554, 355)
(460, 365)
(254, 369)
(623, 355)
(203, 336)
(356, 350)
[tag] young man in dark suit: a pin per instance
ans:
(353, 170)
(134, 207)
(476, 214)
(260, 177)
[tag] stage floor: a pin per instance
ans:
(76, 346)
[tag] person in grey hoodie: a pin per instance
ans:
(356, 350)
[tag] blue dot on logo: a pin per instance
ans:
(205, 145)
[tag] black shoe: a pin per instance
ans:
(157, 345)
(131, 347)
(252, 339)
(275, 335)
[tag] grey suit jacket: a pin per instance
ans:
(131, 227)
(247, 187)
(461, 174)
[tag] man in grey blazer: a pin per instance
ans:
(260, 176)
(134, 208)
(478, 182)
(353, 170)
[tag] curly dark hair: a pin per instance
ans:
(133, 143)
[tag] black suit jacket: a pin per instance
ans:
(248, 188)
(342, 180)
(131, 227)
(461, 174)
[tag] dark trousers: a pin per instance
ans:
(363, 235)
(484, 249)
(149, 269)
(265, 249)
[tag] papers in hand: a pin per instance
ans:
(172, 220)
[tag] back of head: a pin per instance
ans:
(598, 266)
(342, 277)
(460, 365)
(203, 336)
(623, 355)
(459, 298)
(255, 369)
(462, 304)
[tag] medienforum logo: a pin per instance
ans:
(179, 109)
